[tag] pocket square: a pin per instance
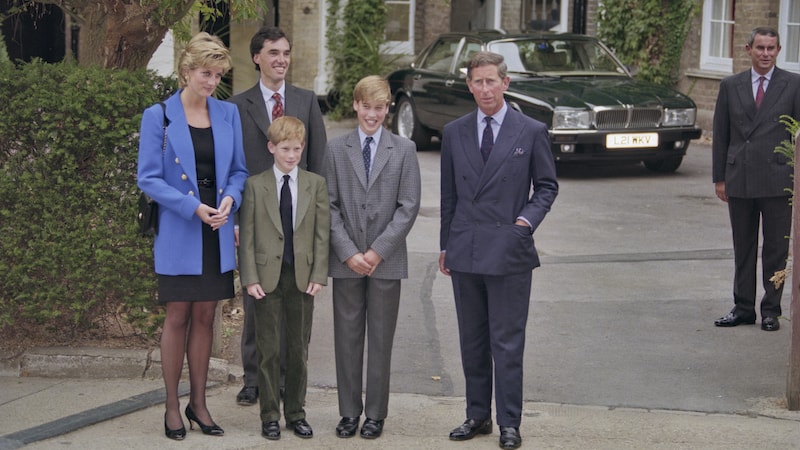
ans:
(519, 151)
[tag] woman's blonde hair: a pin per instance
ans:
(203, 50)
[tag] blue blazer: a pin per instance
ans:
(171, 180)
(480, 203)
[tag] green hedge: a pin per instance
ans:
(71, 257)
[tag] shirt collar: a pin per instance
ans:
(754, 76)
(267, 92)
(498, 116)
(279, 175)
(375, 137)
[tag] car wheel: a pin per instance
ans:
(666, 165)
(407, 125)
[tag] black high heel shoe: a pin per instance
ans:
(177, 434)
(211, 430)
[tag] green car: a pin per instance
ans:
(595, 109)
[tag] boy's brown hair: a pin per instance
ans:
(372, 89)
(286, 128)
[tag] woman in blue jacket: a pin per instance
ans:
(197, 180)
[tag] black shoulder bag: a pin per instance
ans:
(148, 208)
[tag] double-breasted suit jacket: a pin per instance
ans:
(171, 180)
(745, 137)
(480, 202)
(261, 238)
(300, 103)
(378, 215)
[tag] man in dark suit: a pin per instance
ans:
(490, 160)
(752, 178)
(269, 99)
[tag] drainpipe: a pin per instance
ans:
(579, 16)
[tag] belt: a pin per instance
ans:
(206, 182)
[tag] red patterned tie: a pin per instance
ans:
(760, 91)
(277, 109)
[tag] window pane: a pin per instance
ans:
(397, 21)
(792, 48)
(717, 11)
(716, 40)
(727, 41)
(794, 12)
(441, 56)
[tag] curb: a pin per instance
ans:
(90, 362)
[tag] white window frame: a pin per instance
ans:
(402, 47)
(707, 61)
(783, 29)
(562, 26)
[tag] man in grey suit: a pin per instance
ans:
(752, 178)
(269, 99)
(374, 188)
(490, 160)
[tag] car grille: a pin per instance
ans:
(614, 119)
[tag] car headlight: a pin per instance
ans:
(679, 117)
(571, 119)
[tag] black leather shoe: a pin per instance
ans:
(211, 430)
(372, 429)
(247, 396)
(770, 324)
(470, 428)
(733, 319)
(177, 434)
(347, 427)
(301, 428)
(509, 437)
(271, 430)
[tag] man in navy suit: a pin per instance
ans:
(752, 178)
(490, 160)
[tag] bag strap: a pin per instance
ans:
(164, 145)
(166, 122)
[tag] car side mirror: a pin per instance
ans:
(462, 72)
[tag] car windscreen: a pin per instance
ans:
(557, 56)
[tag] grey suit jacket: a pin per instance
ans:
(480, 202)
(261, 233)
(300, 103)
(379, 215)
(745, 137)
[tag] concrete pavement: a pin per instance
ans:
(56, 413)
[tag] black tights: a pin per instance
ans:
(197, 318)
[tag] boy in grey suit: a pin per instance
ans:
(374, 188)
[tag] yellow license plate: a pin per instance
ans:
(632, 140)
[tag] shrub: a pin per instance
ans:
(355, 35)
(68, 150)
(647, 35)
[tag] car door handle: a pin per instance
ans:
(449, 83)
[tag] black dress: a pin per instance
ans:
(211, 285)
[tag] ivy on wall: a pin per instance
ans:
(647, 35)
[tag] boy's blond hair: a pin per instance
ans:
(203, 50)
(286, 128)
(372, 89)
